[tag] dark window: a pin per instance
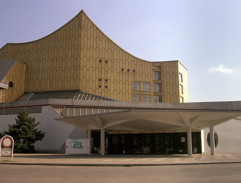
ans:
(128, 70)
(100, 61)
(99, 86)
(99, 79)
(106, 61)
(106, 86)
(106, 80)
(122, 69)
(134, 70)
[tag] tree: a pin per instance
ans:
(25, 133)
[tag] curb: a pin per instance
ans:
(120, 165)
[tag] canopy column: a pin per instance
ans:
(89, 137)
(212, 140)
(189, 140)
(102, 142)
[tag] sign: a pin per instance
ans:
(7, 146)
(77, 146)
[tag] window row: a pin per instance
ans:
(146, 98)
(146, 87)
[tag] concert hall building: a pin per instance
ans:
(80, 84)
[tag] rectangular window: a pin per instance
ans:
(180, 77)
(147, 98)
(147, 87)
(181, 99)
(157, 99)
(136, 86)
(157, 88)
(181, 89)
(136, 97)
(157, 76)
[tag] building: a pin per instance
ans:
(81, 77)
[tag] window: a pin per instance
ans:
(180, 77)
(147, 98)
(157, 99)
(128, 70)
(136, 86)
(157, 76)
(10, 84)
(181, 89)
(122, 69)
(157, 88)
(181, 100)
(147, 87)
(100, 60)
(136, 97)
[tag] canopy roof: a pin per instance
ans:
(161, 117)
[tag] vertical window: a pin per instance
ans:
(136, 86)
(147, 98)
(157, 76)
(180, 77)
(147, 87)
(136, 97)
(181, 99)
(157, 99)
(157, 88)
(181, 89)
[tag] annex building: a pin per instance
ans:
(79, 84)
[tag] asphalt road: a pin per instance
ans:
(171, 174)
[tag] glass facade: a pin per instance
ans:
(147, 87)
(147, 98)
(157, 76)
(136, 86)
(159, 143)
(157, 88)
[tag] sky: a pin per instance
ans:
(204, 35)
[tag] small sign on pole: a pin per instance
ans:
(7, 146)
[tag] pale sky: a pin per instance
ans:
(204, 35)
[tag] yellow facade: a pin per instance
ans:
(79, 56)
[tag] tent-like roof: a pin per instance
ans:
(159, 117)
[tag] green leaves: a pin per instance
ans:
(25, 132)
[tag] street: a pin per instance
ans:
(149, 174)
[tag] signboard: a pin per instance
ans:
(77, 146)
(7, 146)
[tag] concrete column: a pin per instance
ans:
(189, 140)
(102, 142)
(89, 137)
(212, 140)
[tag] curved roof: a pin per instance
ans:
(80, 14)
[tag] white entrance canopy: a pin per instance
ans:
(163, 117)
(151, 120)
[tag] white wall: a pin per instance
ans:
(55, 132)
(229, 137)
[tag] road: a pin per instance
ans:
(221, 173)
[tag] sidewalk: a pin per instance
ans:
(119, 160)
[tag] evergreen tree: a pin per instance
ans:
(25, 133)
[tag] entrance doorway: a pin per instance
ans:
(160, 143)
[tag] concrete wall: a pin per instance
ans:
(229, 137)
(55, 132)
